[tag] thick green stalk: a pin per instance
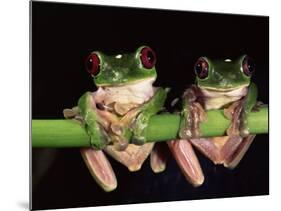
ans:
(66, 133)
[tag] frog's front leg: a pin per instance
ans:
(238, 112)
(192, 115)
(150, 108)
(95, 159)
(88, 110)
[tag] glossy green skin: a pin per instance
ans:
(114, 71)
(122, 69)
(224, 75)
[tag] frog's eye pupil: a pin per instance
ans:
(201, 68)
(248, 66)
(92, 64)
(148, 57)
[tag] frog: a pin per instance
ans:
(220, 84)
(116, 115)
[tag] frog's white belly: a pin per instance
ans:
(136, 93)
(218, 99)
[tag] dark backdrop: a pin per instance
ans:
(64, 34)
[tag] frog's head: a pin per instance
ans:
(224, 75)
(122, 69)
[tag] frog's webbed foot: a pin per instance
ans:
(73, 114)
(119, 130)
(187, 160)
(132, 157)
(119, 136)
(238, 115)
(192, 114)
(234, 112)
(139, 126)
(234, 150)
(100, 168)
(257, 106)
(226, 150)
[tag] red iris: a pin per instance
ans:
(92, 64)
(148, 57)
(201, 68)
(248, 66)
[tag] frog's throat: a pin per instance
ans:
(215, 99)
(215, 89)
(136, 93)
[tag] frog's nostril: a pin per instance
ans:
(218, 76)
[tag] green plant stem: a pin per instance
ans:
(163, 127)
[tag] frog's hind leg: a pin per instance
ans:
(226, 150)
(234, 150)
(187, 160)
(132, 157)
(158, 157)
(100, 168)
(210, 147)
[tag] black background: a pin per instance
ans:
(64, 34)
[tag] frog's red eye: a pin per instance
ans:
(201, 68)
(92, 64)
(248, 66)
(148, 57)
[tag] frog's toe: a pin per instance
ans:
(244, 131)
(139, 130)
(138, 140)
(185, 133)
(158, 157)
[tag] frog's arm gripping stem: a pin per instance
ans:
(191, 115)
(249, 103)
(150, 108)
(87, 109)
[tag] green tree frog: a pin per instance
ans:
(220, 84)
(119, 111)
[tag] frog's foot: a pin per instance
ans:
(210, 147)
(234, 112)
(158, 158)
(133, 156)
(73, 114)
(119, 136)
(224, 150)
(239, 118)
(235, 149)
(257, 106)
(139, 128)
(187, 161)
(193, 116)
(100, 168)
